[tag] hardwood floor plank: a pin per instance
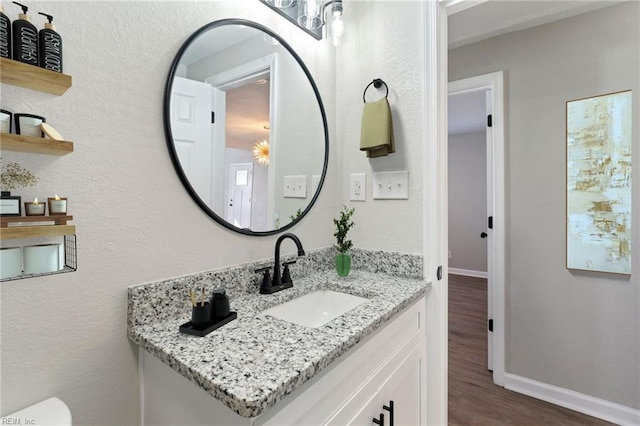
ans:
(473, 397)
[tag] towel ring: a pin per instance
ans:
(377, 83)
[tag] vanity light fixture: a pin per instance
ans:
(261, 152)
(311, 17)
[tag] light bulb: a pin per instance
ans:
(337, 28)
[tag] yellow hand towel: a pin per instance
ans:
(376, 137)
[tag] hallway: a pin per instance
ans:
(473, 398)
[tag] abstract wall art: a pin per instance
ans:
(599, 139)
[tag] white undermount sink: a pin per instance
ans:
(316, 309)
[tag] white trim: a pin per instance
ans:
(572, 400)
(468, 273)
(497, 264)
(435, 250)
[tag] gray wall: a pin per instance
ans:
(579, 331)
(468, 201)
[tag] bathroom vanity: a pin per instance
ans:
(260, 370)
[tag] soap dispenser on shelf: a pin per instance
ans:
(5, 35)
(25, 38)
(50, 46)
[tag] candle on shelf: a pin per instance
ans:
(34, 209)
(57, 205)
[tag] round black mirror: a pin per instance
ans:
(246, 128)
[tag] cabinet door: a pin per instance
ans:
(401, 399)
(406, 388)
(372, 408)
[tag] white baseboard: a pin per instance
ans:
(586, 404)
(468, 273)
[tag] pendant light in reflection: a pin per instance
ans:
(261, 152)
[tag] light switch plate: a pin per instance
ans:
(357, 187)
(391, 185)
(295, 187)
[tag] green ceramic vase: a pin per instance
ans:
(343, 264)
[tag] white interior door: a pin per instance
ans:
(239, 195)
(190, 124)
(218, 143)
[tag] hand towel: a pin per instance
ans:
(376, 136)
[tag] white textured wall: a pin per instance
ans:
(576, 330)
(384, 41)
(468, 201)
(65, 335)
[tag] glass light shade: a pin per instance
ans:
(280, 3)
(309, 14)
(336, 28)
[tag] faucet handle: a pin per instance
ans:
(286, 276)
(265, 288)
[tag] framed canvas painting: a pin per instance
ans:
(599, 140)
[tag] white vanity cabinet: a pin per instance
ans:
(388, 365)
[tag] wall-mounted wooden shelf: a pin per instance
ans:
(31, 77)
(60, 227)
(21, 143)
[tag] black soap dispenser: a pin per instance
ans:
(5, 35)
(50, 46)
(25, 38)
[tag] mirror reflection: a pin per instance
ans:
(246, 127)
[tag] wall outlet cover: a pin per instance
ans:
(357, 187)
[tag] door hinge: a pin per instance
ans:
(490, 222)
(213, 117)
(490, 325)
(439, 273)
(490, 120)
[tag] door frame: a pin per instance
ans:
(494, 83)
(235, 77)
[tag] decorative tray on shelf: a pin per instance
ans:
(203, 330)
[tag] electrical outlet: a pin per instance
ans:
(315, 183)
(357, 187)
(449, 254)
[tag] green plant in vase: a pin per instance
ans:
(343, 245)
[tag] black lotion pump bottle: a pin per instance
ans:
(25, 38)
(5, 35)
(50, 46)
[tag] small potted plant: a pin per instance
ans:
(13, 176)
(343, 245)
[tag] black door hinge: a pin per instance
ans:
(490, 120)
(213, 117)
(490, 325)
(439, 273)
(490, 222)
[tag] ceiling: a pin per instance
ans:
(473, 21)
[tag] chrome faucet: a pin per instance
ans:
(279, 281)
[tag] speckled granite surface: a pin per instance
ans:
(253, 362)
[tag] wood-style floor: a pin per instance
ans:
(473, 398)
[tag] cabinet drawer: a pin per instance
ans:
(323, 396)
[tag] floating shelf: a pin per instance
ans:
(31, 77)
(21, 143)
(60, 227)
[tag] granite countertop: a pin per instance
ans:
(254, 361)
